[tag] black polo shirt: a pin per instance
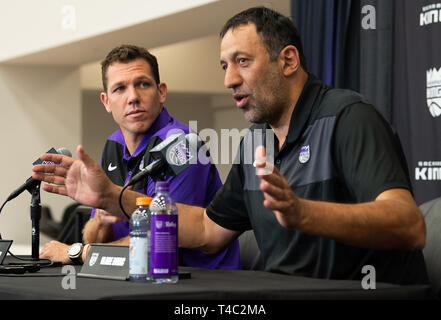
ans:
(338, 149)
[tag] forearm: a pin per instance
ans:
(391, 221)
(122, 241)
(191, 227)
(110, 201)
(381, 224)
(198, 231)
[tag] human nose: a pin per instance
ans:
(232, 78)
(133, 95)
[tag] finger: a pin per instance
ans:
(105, 212)
(52, 157)
(107, 217)
(60, 159)
(269, 197)
(49, 178)
(275, 178)
(83, 156)
(44, 253)
(275, 205)
(262, 166)
(272, 190)
(265, 169)
(55, 189)
(259, 157)
(109, 220)
(50, 168)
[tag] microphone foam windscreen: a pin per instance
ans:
(64, 151)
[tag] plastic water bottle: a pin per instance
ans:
(164, 236)
(140, 241)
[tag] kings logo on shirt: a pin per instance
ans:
(305, 154)
(433, 86)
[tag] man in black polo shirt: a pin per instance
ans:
(338, 197)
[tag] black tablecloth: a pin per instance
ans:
(203, 285)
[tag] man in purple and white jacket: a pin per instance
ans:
(135, 97)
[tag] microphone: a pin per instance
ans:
(31, 183)
(172, 156)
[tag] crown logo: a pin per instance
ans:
(433, 91)
(433, 75)
(179, 154)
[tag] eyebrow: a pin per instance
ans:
(234, 56)
(120, 83)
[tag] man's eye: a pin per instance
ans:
(144, 84)
(118, 89)
(242, 60)
(224, 67)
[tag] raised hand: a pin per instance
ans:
(278, 194)
(55, 174)
(82, 180)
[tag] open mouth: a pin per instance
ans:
(241, 100)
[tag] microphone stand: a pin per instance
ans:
(35, 217)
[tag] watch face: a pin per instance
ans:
(75, 249)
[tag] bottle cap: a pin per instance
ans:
(161, 186)
(143, 201)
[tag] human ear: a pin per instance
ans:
(162, 87)
(289, 59)
(105, 101)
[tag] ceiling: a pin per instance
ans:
(201, 21)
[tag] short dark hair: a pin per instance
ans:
(127, 53)
(276, 30)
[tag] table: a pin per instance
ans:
(203, 285)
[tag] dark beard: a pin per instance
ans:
(264, 114)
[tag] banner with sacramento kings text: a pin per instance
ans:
(416, 110)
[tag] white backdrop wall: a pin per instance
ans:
(40, 109)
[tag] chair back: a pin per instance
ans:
(250, 257)
(432, 251)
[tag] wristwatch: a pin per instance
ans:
(74, 252)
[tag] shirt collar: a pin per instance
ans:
(303, 108)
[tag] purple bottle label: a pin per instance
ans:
(164, 245)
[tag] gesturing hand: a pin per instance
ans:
(278, 194)
(55, 174)
(82, 180)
